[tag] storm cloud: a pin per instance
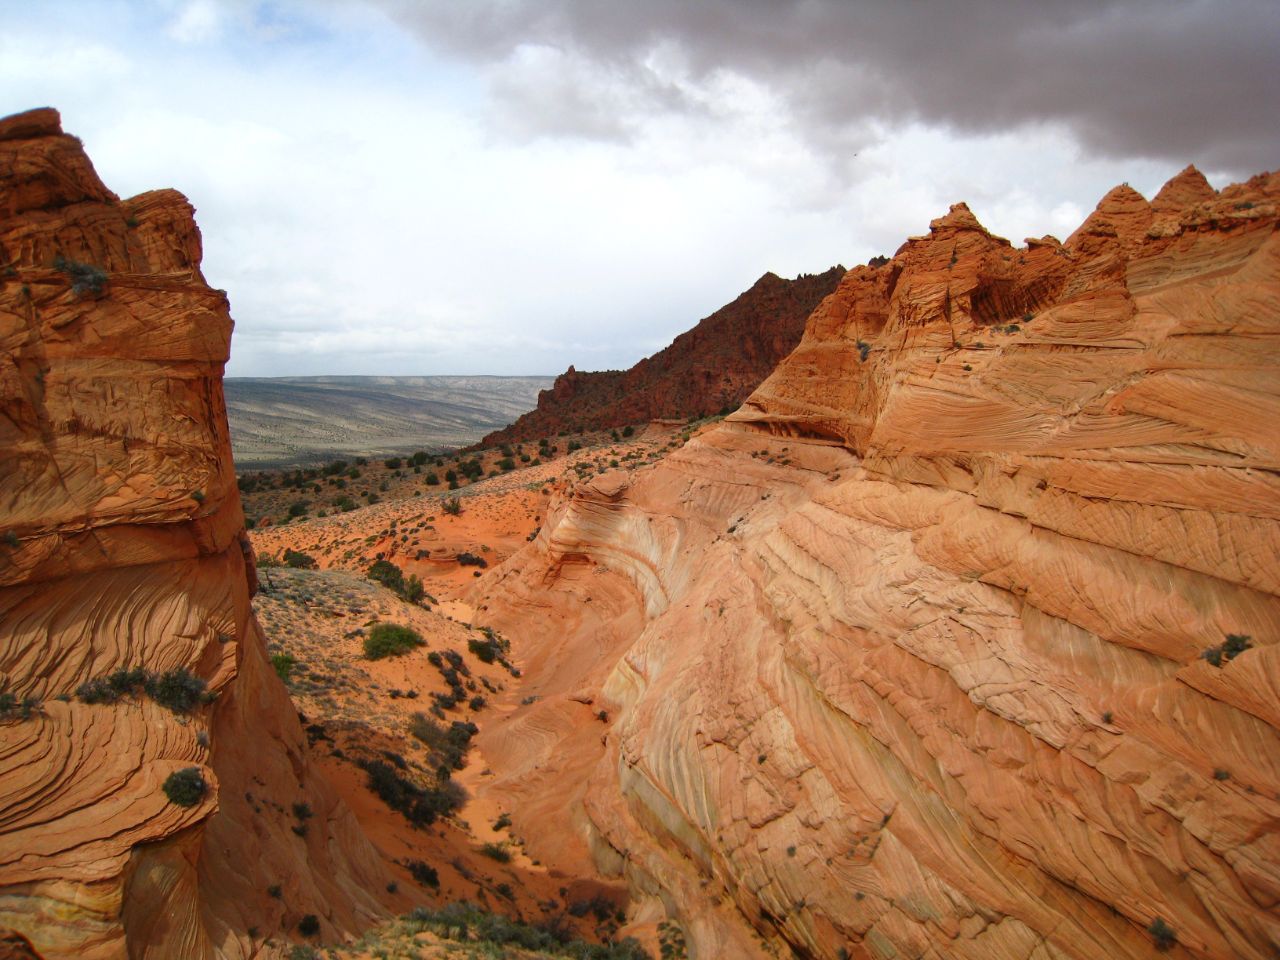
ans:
(514, 186)
(1156, 79)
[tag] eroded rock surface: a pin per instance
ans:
(122, 545)
(907, 657)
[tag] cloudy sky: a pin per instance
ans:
(511, 186)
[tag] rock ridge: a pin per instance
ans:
(959, 638)
(123, 547)
(714, 365)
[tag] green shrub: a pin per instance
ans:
(283, 664)
(419, 805)
(299, 508)
(392, 577)
(185, 787)
(431, 478)
(447, 746)
(452, 506)
(176, 690)
(299, 560)
(390, 640)
(424, 874)
(496, 851)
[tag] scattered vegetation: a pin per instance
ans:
(176, 690)
(392, 577)
(85, 278)
(496, 851)
(11, 708)
(390, 640)
(448, 746)
(424, 874)
(465, 922)
(299, 560)
(452, 506)
(1162, 934)
(671, 945)
(1235, 644)
(283, 664)
(185, 787)
(419, 805)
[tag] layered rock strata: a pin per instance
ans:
(122, 546)
(960, 638)
(706, 369)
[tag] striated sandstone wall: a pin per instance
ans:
(123, 545)
(905, 659)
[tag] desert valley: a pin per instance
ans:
(928, 609)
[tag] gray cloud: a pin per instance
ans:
(1180, 81)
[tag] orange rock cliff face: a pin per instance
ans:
(124, 547)
(907, 657)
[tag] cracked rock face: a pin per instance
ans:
(122, 546)
(907, 658)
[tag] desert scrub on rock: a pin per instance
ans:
(11, 708)
(176, 690)
(185, 787)
(390, 640)
(85, 278)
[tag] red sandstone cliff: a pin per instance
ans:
(122, 546)
(962, 637)
(713, 366)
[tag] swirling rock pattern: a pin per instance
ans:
(123, 546)
(904, 659)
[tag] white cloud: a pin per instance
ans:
(373, 206)
(199, 21)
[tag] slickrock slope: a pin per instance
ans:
(905, 658)
(714, 365)
(122, 546)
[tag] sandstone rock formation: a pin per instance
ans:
(713, 366)
(959, 639)
(122, 546)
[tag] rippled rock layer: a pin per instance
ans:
(959, 639)
(122, 547)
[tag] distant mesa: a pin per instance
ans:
(705, 370)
